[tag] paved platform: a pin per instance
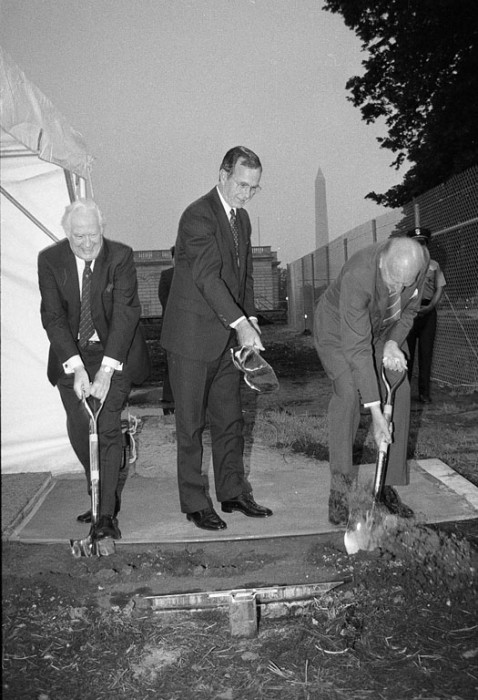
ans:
(295, 487)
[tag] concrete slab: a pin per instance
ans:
(20, 495)
(295, 487)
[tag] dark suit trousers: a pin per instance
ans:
(423, 331)
(207, 391)
(344, 418)
(110, 437)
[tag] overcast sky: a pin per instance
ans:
(161, 89)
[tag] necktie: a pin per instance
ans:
(86, 322)
(392, 313)
(235, 232)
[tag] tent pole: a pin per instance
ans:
(28, 214)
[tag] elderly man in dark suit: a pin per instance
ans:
(210, 310)
(90, 310)
(361, 321)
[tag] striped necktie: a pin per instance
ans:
(87, 327)
(235, 232)
(392, 313)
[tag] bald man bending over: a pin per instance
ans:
(361, 321)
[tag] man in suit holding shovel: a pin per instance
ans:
(361, 321)
(90, 310)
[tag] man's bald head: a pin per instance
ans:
(401, 261)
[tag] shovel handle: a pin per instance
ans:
(392, 381)
(94, 458)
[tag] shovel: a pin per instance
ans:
(365, 532)
(90, 546)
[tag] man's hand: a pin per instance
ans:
(393, 357)
(101, 385)
(81, 382)
(381, 431)
(255, 324)
(247, 335)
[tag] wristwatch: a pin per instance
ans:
(107, 368)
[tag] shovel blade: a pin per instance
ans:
(366, 532)
(82, 548)
(89, 547)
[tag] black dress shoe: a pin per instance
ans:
(338, 508)
(107, 526)
(207, 519)
(84, 517)
(392, 502)
(424, 398)
(244, 503)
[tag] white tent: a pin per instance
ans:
(44, 165)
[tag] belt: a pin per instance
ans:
(92, 343)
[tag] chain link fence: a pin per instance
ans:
(450, 211)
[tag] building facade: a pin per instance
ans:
(151, 263)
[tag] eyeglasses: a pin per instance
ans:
(244, 188)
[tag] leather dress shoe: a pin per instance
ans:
(84, 517)
(392, 502)
(244, 503)
(207, 519)
(107, 526)
(338, 508)
(424, 398)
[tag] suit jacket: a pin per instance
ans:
(115, 307)
(348, 326)
(164, 286)
(209, 290)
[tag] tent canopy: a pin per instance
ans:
(38, 148)
(31, 119)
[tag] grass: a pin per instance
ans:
(435, 437)
(286, 431)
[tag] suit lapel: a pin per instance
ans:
(69, 277)
(242, 242)
(98, 271)
(223, 219)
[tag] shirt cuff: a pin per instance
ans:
(72, 363)
(371, 403)
(235, 323)
(114, 364)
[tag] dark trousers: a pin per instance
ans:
(344, 418)
(207, 391)
(167, 391)
(423, 331)
(110, 438)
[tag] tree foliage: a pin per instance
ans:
(421, 78)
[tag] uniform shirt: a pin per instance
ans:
(434, 279)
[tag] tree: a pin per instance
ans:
(421, 77)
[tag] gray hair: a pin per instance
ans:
(81, 205)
